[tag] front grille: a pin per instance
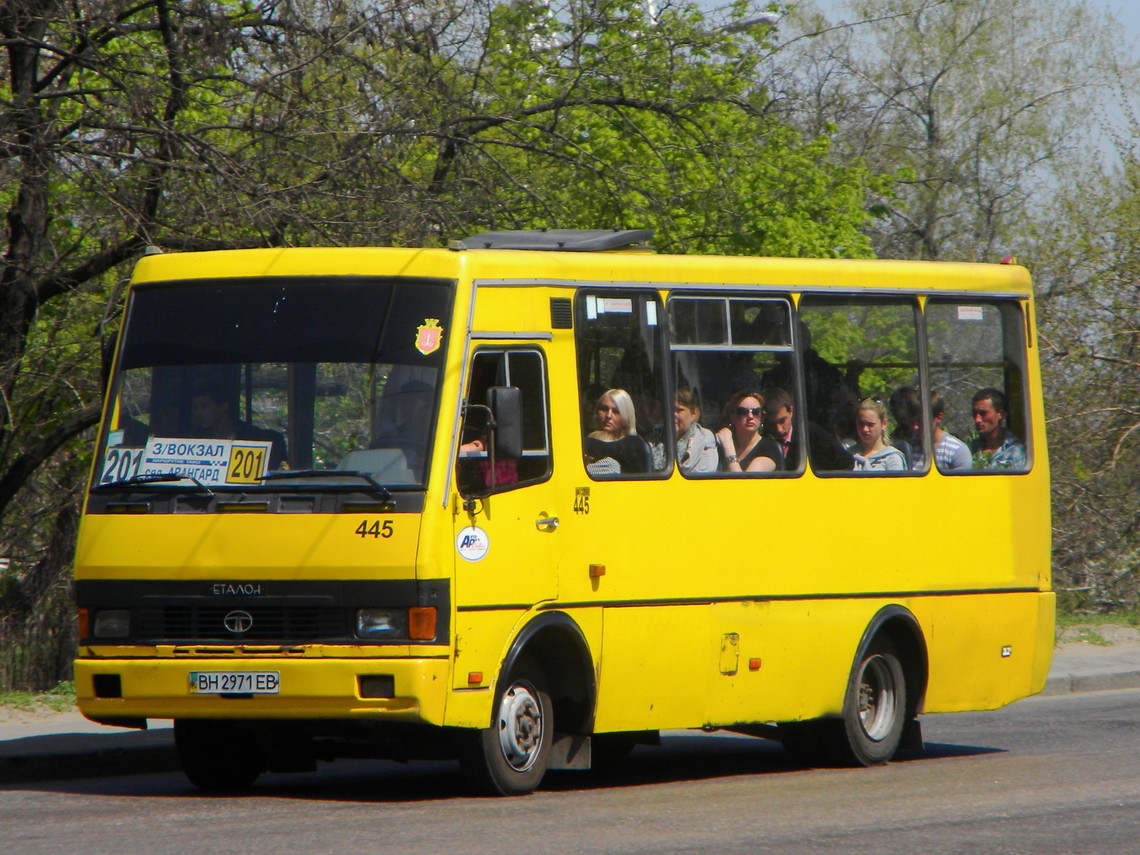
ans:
(278, 624)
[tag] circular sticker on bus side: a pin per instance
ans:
(472, 543)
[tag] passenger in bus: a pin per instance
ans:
(949, 451)
(873, 450)
(821, 378)
(906, 410)
(404, 417)
(827, 452)
(616, 444)
(741, 447)
(214, 419)
(696, 445)
(994, 447)
(504, 472)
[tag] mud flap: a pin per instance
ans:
(569, 751)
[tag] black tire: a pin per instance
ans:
(874, 709)
(509, 758)
(219, 756)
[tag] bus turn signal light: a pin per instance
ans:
(421, 623)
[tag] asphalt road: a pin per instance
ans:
(1047, 775)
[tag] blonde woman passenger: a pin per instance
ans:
(873, 450)
(616, 438)
(742, 449)
(696, 445)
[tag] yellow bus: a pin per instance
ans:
(533, 498)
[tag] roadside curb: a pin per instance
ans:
(1073, 682)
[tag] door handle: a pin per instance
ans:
(545, 523)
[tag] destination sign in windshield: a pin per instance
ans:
(208, 461)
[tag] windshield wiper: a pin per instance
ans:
(157, 478)
(304, 474)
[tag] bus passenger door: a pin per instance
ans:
(506, 520)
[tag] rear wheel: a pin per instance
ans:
(509, 758)
(217, 755)
(874, 709)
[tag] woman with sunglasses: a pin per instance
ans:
(616, 439)
(741, 447)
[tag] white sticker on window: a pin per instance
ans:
(970, 313)
(651, 313)
(591, 308)
(617, 305)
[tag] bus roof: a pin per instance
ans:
(569, 267)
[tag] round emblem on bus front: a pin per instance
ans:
(472, 543)
(238, 622)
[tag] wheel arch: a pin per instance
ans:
(557, 644)
(901, 626)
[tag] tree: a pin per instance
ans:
(969, 103)
(1087, 256)
(270, 122)
(100, 108)
(993, 112)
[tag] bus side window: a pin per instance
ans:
(859, 357)
(723, 345)
(526, 371)
(620, 344)
(976, 354)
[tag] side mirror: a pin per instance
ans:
(505, 403)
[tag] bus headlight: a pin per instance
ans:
(112, 623)
(381, 623)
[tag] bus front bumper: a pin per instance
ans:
(394, 689)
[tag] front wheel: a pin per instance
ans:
(509, 758)
(217, 755)
(874, 709)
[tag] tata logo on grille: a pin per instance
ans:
(238, 622)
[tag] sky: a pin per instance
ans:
(1128, 13)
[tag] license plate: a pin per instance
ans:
(235, 682)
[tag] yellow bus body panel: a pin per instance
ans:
(225, 547)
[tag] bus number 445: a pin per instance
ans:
(375, 528)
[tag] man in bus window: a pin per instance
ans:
(949, 451)
(994, 447)
(214, 419)
(779, 425)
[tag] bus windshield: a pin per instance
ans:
(226, 382)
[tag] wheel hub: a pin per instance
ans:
(520, 727)
(876, 698)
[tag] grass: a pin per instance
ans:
(1067, 619)
(61, 698)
